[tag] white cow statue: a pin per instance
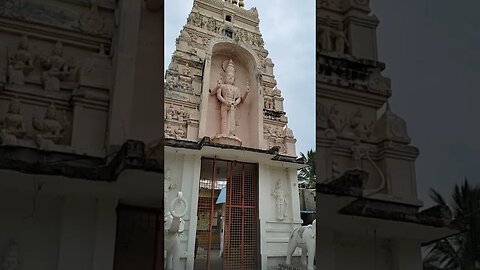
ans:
(174, 226)
(305, 238)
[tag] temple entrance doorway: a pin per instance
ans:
(227, 226)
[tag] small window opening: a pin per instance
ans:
(228, 18)
(229, 33)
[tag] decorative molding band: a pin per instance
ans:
(53, 34)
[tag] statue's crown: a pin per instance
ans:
(230, 67)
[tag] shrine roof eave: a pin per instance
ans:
(131, 156)
(238, 151)
(388, 211)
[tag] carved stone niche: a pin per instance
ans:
(12, 126)
(281, 137)
(57, 68)
(362, 127)
(378, 83)
(175, 130)
(51, 129)
(97, 70)
(332, 37)
(171, 81)
(176, 113)
(336, 119)
(20, 62)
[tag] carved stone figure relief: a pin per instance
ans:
(336, 119)
(361, 126)
(335, 170)
(378, 83)
(341, 42)
(359, 152)
(179, 114)
(277, 137)
(230, 97)
(91, 22)
(364, 77)
(249, 38)
(322, 116)
(268, 103)
(325, 40)
(20, 63)
(13, 126)
(280, 200)
(332, 38)
(175, 131)
(49, 130)
(58, 68)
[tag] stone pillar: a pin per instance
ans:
(202, 130)
(293, 183)
(325, 251)
(190, 183)
(264, 173)
(105, 236)
(77, 235)
(125, 51)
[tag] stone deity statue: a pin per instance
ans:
(58, 68)
(341, 41)
(49, 129)
(20, 63)
(13, 126)
(280, 201)
(230, 97)
(325, 39)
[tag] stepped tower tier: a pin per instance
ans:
(220, 82)
(367, 201)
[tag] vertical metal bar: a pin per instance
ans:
(212, 196)
(243, 215)
(230, 213)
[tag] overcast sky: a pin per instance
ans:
(432, 53)
(288, 30)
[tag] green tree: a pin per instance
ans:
(460, 251)
(308, 174)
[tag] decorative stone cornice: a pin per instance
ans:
(351, 73)
(61, 16)
(33, 161)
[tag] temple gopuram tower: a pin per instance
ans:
(228, 148)
(369, 212)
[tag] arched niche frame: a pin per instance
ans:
(247, 68)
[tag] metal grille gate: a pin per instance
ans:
(227, 223)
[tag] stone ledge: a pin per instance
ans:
(33, 161)
(206, 141)
(438, 216)
(292, 267)
(350, 185)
